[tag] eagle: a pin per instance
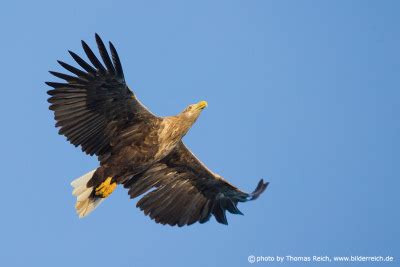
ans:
(95, 109)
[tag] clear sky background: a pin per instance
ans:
(304, 94)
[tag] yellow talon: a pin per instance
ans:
(106, 188)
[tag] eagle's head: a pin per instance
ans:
(192, 112)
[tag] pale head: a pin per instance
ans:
(192, 112)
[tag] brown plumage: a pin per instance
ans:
(97, 111)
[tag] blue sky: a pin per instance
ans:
(304, 94)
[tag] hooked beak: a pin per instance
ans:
(202, 105)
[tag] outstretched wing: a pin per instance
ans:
(185, 191)
(92, 106)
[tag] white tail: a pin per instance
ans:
(84, 204)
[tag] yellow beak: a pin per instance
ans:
(202, 104)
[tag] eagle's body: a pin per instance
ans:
(145, 144)
(145, 153)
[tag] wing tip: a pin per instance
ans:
(98, 38)
(221, 219)
(261, 186)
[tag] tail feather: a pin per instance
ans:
(85, 202)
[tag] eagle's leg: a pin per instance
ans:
(105, 188)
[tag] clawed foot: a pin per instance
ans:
(106, 188)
